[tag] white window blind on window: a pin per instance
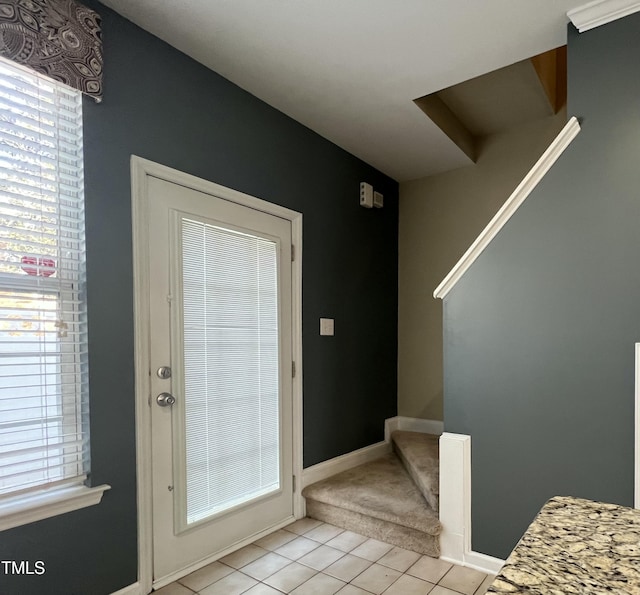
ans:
(230, 313)
(43, 343)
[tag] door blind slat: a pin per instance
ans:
(231, 367)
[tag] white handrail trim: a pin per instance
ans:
(530, 181)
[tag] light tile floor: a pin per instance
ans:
(309, 557)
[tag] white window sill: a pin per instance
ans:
(28, 509)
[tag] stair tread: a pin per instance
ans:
(380, 489)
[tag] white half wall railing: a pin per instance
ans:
(518, 196)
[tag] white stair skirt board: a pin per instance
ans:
(412, 424)
(601, 12)
(636, 497)
(455, 505)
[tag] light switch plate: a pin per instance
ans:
(326, 326)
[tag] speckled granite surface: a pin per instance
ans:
(575, 546)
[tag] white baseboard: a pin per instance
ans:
(412, 424)
(134, 589)
(369, 453)
(342, 463)
(455, 505)
(478, 561)
(482, 562)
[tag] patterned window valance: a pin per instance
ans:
(58, 38)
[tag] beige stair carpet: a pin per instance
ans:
(379, 500)
(420, 454)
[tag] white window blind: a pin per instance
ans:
(230, 313)
(43, 342)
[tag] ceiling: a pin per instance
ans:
(514, 89)
(350, 69)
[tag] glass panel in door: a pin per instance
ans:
(231, 368)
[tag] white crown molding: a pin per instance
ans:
(601, 12)
(530, 181)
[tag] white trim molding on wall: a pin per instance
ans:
(344, 462)
(601, 12)
(455, 505)
(141, 170)
(524, 189)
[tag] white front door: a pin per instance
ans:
(220, 346)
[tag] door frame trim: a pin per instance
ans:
(141, 170)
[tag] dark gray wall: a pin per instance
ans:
(161, 105)
(540, 332)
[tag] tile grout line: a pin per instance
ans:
(343, 554)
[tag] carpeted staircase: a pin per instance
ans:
(393, 499)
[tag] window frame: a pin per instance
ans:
(40, 501)
(61, 291)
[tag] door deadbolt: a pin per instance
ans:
(165, 399)
(164, 372)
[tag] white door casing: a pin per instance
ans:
(163, 537)
(174, 210)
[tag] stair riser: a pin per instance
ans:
(403, 537)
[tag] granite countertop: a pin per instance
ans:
(575, 546)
